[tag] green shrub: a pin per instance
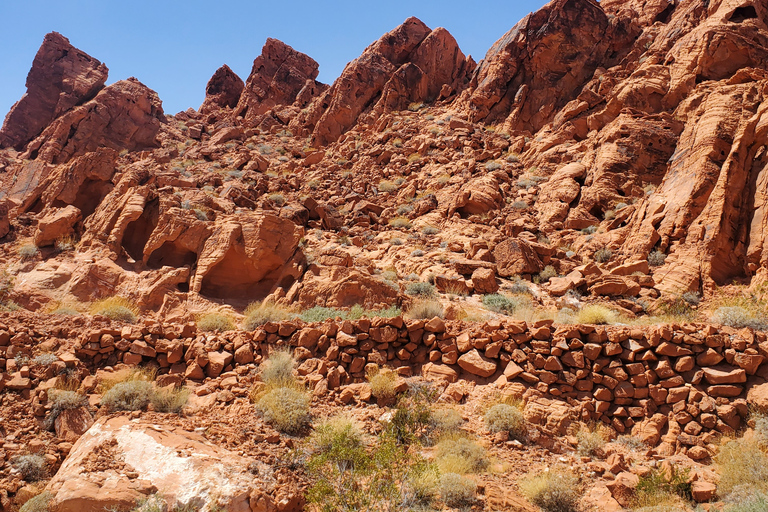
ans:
(285, 408)
(39, 503)
(169, 399)
(425, 310)
(457, 490)
(656, 258)
(420, 289)
(62, 400)
(32, 467)
(506, 418)
(411, 420)
(321, 314)
(257, 315)
(116, 308)
(553, 491)
(603, 255)
(460, 455)
(215, 322)
(740, 317)
(277, 369)
(131, 395)
(338, 438)
(500, 303)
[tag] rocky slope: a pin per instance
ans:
(606, 153)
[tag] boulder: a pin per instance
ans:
(484, 281)
(515, 256)
(476, 364)
(5, 223)
(56, 224)
(61, 78)
(623, 488)
(70, 424)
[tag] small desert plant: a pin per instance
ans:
(630, 442)
(519, 286)
(65, 243)
(420, 289)
(519, 205)
(548, 273)
(404, 209)
(44, 359)
(382, 382)
(591, 439)
(339, 437)
(457, 490)
(417, 253)
(277, 199)
(116, 308)
(656, 258)
(39, 503)
(169, 399)
(661, 487)
(589, 230)
(130, 395)
(62, 400)
(277, 369)
(741, 462)
(603, 255)
(597, 315)
(460, 455)
(425, 309)
(28, 251)
(400, 222)
(553, 490)
(506, 418)
(285, 408)
(500, 303)
(32, 466)
(215, 322)
(492, 166)
(387, 186)
(321, 314)
(257, 315)
(445, 420)
(200, 214)
(740, 317)
(430, 230)
(692, 298)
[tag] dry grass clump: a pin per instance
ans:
(506, 418)
(740, 317)
(554, 490)
(597, 315)
(32, 466)
(284, 403)
(62, 400)
(592, 439)
(336, 435)
(741, 462)
(400, 222)
(656, 258)
(258, 314)
(662, 490)
(39, 503)
(215, 321)
(457, 490)
(382, 382)
(426, 309)
(169, 399)
(277, 369)
(445, 421)
(132, 395)
(28, 251)
(603, 255)
(458, 454)
(133, 390)
(116, 308)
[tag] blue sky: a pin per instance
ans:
(175, 46)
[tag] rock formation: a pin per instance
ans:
(223, 90)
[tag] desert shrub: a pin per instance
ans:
(39, 503)
(553, 491)
(215, 322)
(609, 215)
(62, 400)
(339, 438)
(400, 222)
(457, 490)
(597, 315)
(425, 309)
(692, 298)
(420, 289)
(169, 399)
(630, 442)
(445, 420)
(277, 369)
(32, 466)
(277, 199)
(417, 253)
(321, 314)
(740, 317)
(257, 314)
(460, 455)
(411, 419)
(116, 308)
(519, 205)
(506, 418)
(387, 186)
(603, 255)
(591, 439)
(741, 462)
(382, 383)
(589, 230)
(500, 303)
(566, 316)
(404, 209)
(28, 251)
(660, 487)
(519, 286)
(430, 230)
(285, 408)
(656, 258)
(200, 214)
(65, 243)
(492, 166)
(746, 500)
(548, 273)
(677, 307)
(131, 395)
(44, 359)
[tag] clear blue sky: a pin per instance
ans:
(175, 46)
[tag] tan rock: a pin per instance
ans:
(70, 424)
(477, 364)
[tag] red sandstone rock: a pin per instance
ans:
(223, 90)
(61, 78)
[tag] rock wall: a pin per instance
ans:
(674, 386)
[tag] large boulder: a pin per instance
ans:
(223, 90)
(61, 78)
(515, 256)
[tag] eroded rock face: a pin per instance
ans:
(409, 64)
(61, 78)
(223, 90)
(124, 115)
(181, 466)
(279, 76)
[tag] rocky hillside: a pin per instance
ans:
(604, 163)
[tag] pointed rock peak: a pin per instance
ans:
(61, 77)
(223, 90)
(398, 44)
